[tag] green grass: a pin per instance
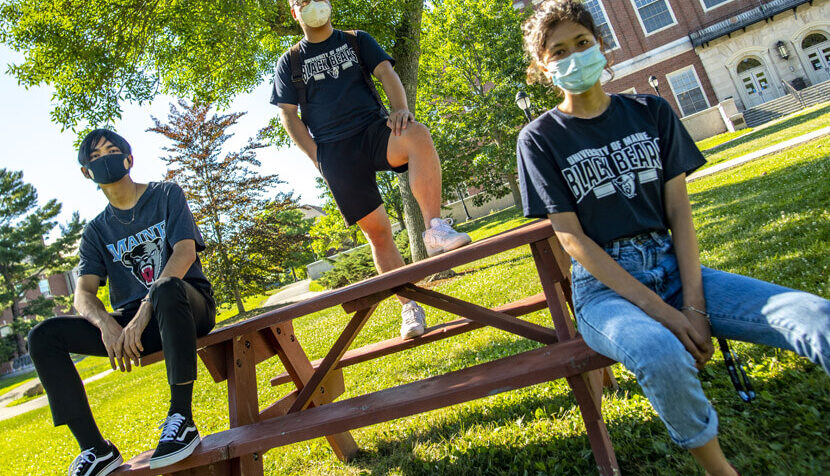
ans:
(228, 310)
(768, 219)
(719, 139)
(766, 136)
(7, 384)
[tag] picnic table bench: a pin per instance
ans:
(230, 354)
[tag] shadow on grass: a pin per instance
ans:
(795, 121)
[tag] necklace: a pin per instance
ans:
(135, 203)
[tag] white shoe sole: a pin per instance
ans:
(455, 244)
(412, 332)
(112, 466)
(177, 456)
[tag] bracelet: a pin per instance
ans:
(694, 309)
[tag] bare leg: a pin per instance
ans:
(378, 232)
(414, 146)
(711, 457)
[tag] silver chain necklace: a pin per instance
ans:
(135, 205)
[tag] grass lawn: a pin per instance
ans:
(747, 142)
(768, 219)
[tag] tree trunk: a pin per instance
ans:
(407, 52)
(238, 296)
(19, 339)
(514, 189)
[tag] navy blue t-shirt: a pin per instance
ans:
(131, 247)
(339, 102)
(610, 170)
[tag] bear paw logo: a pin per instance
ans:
(626, 184)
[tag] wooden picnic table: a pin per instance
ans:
(230, 354)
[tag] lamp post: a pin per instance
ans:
(654, 83)
(461, 197)
(523, 101)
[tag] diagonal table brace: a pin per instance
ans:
(332, 358)
(478, 313)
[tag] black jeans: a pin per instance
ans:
(181, 314)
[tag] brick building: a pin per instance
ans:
(705, 51)
(62, 284)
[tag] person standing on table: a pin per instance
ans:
(145, 245)
(609, 172)
(345, 132)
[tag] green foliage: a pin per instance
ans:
(353, 266)
(8, 346)
(471, 68)
(25, 256)
(329, 234)
(248, 237)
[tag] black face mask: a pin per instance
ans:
(108, 168)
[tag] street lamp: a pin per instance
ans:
(782, 50)
(523, 101)
(654, 83)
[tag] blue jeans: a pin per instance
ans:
(740, 308)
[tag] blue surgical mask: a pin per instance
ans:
(578, 72)
(107, 168)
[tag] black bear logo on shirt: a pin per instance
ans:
(626, 184)
(145, 261)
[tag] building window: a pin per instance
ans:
(609, 40)
(687, 91)
(43, 284)
(813, 39)
(655, 15)
(710, 4)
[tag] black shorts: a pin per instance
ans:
(349, 168)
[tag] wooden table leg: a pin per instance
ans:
(587, 387)
(243, 407)
(299, 367)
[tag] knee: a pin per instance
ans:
(416, 132)
(164, 288)
(665, 363)
(39, 337)
(380, 237)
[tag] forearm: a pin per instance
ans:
(298, 132)
(178, 264)
(394, 90)
(679, 215)
(91, 308)
(597, 262)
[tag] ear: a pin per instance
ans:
(293, 13)
(158, 241)
(87, 173)
(127, 259)
(128, 162)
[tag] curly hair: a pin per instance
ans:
(536, 28)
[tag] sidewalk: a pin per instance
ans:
(9, 412)
(292, 293)
(787, 144)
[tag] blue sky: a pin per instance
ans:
(33, 144)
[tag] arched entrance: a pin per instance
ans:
(817, 50)
(755, 82)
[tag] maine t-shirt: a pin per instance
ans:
(130, 248)
(610, 170)
(339, 102)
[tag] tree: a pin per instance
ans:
(98, 54)
(284, 233)
(244, 253)
(473, 65)
(25, 256)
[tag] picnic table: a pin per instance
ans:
(230, 355)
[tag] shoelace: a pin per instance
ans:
(442, 229)
(409, 315)
(170, 426)
(86, 456)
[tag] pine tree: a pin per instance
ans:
(25, 256)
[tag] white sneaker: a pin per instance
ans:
(441, 237)
(412, 320)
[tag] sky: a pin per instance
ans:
(31, 142)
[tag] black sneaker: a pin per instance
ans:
(96, 462)
(179, 437)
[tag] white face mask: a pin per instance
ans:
(316, 14)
